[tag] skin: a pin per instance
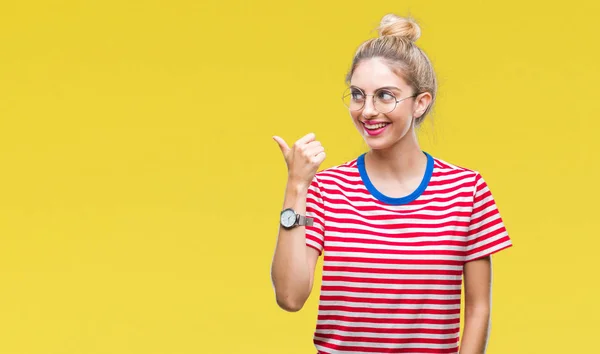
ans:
(293, 265)
(396, 165)
(395, 162)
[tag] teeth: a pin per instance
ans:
(375, 126)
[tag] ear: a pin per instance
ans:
(422, 101)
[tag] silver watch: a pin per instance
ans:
(290, 219)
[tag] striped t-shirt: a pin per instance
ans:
(392, 267)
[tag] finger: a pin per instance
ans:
(305, 139)
(319, 158)
(282, 145)
(313, 151)
(312, 144)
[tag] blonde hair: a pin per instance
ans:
(396, 45)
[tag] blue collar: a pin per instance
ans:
(395, 201)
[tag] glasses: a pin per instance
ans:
(384, 101)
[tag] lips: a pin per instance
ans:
(374, 125)
(375, 128)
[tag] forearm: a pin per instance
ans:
(476, 330)
(290, 271)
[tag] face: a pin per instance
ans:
(382, 129)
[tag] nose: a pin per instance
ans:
(369, 110)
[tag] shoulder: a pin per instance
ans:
(450, 171)
(346, 172)
(345, 167)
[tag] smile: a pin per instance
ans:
(375, 128)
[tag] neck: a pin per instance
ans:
(402, 161)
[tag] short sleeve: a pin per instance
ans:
(487, 233)
(315, 234)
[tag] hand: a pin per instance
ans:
(302, 159)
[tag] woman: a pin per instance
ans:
(399, 228)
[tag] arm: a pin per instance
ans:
(293, 267)
(478, 276)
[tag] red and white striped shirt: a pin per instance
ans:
(392, 267)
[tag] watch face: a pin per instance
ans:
(288, 218)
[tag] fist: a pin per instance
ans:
(302, 159)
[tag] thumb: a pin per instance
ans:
(282, 145)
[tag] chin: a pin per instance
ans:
(386, 140)
(378, 144)
(382, 142)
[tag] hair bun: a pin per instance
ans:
(393, 25)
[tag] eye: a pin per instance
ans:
(357, 95)
(386, 96)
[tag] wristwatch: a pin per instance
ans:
(290, 219)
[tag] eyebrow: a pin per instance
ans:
(381, 88)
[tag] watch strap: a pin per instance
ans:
(304, 220)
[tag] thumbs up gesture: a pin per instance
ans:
(302, 159)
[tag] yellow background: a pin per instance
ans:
(140, 188)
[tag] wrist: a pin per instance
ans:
(295, 197)
(297, 188)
